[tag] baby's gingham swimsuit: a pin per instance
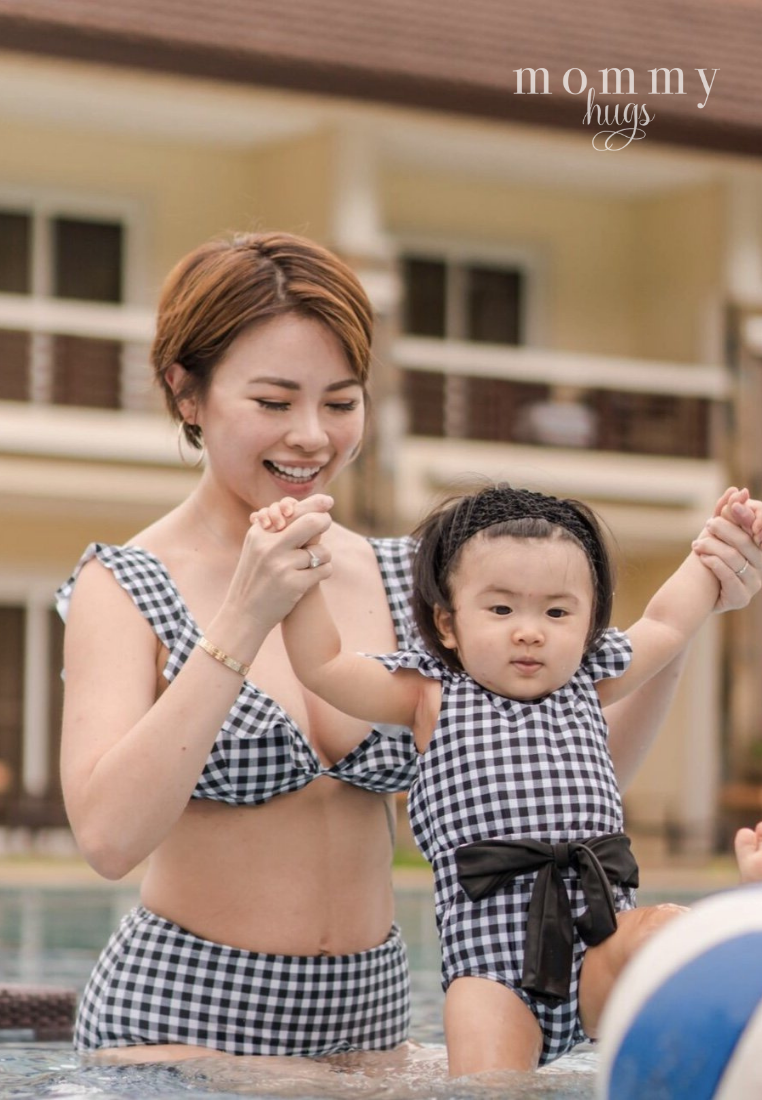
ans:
(156, 982)
(497, 768)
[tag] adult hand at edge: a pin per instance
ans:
(725, 545)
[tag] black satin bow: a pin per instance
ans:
(486, 866)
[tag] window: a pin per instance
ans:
(87, 260)
(15, 278)
(15, 253)
(456, 300)
(11, 703)
(30, 784)
(82, 258)
(425, 297)
(55, 712)
(74, 259)
(480, 302)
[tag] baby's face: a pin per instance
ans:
(522, 613)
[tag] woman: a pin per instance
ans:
(266, 916)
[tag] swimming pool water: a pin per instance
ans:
(52, 936)
(56, 1073)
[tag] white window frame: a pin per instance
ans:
(455, 254)
(42, 205)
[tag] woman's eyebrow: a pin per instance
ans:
(344, 383)
(289, 384)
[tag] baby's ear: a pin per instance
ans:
(443, 621)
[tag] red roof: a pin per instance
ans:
(440, 54)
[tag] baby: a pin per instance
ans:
(515, 805)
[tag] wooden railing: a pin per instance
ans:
(528, 396)
(55, 352)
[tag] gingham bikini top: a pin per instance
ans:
(260, 752)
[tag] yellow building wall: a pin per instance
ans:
(624, 276)
(631, 277)
(32, 542)
(583, 239)
(294, 185)
(185, 193)
(677, 268)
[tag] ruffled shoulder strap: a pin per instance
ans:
(395, 561)
(417, 659)
(146, 581)
(612, 657)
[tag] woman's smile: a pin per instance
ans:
(294, 476)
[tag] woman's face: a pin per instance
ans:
(284, 413)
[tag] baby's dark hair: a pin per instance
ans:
(497, 511)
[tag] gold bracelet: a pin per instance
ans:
(222, 657)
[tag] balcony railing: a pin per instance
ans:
(527, 396)
(55, 352)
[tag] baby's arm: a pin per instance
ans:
(669, 621)
(351, 682)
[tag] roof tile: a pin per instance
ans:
(432, 53)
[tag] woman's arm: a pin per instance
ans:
(130, 761)
(635, 721)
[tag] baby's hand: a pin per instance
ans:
(748, 846)
(724, 506)
(735, 513)
(277, 516)
(738, 507)
(274, 517)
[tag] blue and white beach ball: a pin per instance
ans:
(685, 1019)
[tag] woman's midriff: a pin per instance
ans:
(305, 874)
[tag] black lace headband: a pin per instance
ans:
(503, 503)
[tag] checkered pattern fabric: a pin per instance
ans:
(260, 752)
(502, 768)
(157, 983)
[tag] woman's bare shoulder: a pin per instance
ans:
(171, 539)
(160, 534)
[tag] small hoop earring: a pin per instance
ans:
(180, 437)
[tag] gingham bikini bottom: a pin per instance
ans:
(155, 982)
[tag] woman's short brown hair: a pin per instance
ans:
(225, 286)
